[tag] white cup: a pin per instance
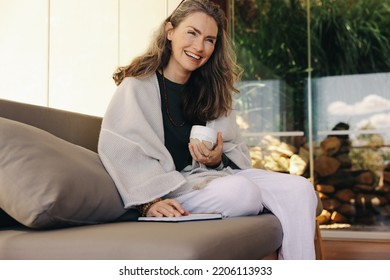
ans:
(205, 134)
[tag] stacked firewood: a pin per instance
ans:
(273, 154)
(384, 189)
(348, 195)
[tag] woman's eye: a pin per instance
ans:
(192, 33)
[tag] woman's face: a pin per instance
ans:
(193, 42)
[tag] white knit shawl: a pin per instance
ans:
(131, 146)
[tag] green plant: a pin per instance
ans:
(350, 37)
(347, 37)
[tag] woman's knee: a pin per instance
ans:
(241, 196)
(303, 185)
(305, 189)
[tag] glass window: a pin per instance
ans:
(315, 99)
(271, 102)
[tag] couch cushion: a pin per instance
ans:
(251, 237)
(77, 128)
(48, 182)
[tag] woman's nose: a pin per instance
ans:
(198, 44)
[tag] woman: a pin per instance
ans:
(187, 78)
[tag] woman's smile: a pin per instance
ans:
(192, 55)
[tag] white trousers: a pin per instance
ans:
(290, 198)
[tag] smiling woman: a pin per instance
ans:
(187, 77)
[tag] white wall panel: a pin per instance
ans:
(24, 50)
(83, 54)
(138, 22)
(172, 4)
(62, 53)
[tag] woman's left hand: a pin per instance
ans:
(202, 154)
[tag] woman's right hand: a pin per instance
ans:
(200, 153)
(166, 208)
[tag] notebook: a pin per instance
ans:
(190, 217)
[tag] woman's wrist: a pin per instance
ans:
(216, 166)
(144, 208)
(225, 161)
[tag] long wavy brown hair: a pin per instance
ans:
(209, 90)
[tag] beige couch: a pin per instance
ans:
(58, 202)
